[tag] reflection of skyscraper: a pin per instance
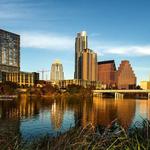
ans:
(105, 111)
(125, 76)
(9, 51)
(57, 113)
(57, 71)
(81, 43)
(89, 65)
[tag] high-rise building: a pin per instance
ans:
(57, 71)
(125, 77)
(10, 61)
(88, 65)
(81, 43)
(106, 73)
(9, 51)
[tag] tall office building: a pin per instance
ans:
(125, 77)
(9, 51)
(81, 43)
(89, 65)
(106, 73)
(57, 71)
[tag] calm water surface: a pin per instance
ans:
(34, 117)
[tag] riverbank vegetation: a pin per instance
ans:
(54, 92)
(113, 137)
(8, 88)
(47, 90)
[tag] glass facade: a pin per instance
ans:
(9, 52)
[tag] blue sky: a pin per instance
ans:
(117, 29)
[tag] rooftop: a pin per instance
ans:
(106, 62)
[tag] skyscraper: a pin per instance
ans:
(89, 65)
(125, 77)
(57, 71)
(81, 43)
(9, 51)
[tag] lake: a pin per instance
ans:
(35, 117)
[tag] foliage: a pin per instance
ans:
(113, 137)
(8, 88)
(74, 88)
(49, 89)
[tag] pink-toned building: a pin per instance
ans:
(106, 73)
(125, 76)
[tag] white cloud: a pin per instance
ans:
(52, 41)
(47, 41)
(128, 50)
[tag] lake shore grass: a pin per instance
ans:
(113, 137)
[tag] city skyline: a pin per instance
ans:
(113, 32)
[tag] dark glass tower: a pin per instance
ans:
(9, 52)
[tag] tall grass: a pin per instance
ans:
(113, 137)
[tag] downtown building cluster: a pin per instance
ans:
(88, 71)
(104, 72)
(10, 61)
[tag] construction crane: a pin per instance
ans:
(43, 72)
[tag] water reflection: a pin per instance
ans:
(33, 116)
(57, 115)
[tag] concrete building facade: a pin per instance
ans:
(106, 73)
(57, 71)
(145, 85)
(84, 83)
(89, 65)
(26, 79)
(125, 77)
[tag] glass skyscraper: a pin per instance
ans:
(9, 52)
(85, 59)
(81, 43)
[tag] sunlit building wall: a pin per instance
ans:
(84, 83)
(81, 43)
(145, 85)
(106, 73)
(57, 71)
(89, 65)
(21, 78)
(125, 77)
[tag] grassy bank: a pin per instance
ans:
(113, 137)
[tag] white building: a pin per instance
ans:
(57, 71)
